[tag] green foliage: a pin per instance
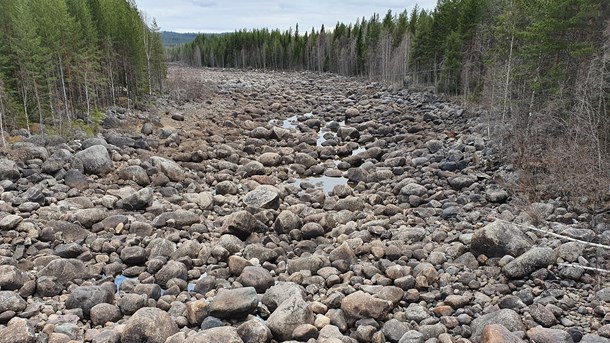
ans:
(63, 57)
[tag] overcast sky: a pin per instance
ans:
(230, 15)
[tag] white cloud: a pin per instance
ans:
(231, 15)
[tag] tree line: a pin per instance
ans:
(540, 67)
(63, 60)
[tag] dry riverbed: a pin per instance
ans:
(288, 206)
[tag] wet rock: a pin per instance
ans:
(234, 303)
(529, 262)
(510, 319)
(150, 325)
(85, 297)
(288, 316)
(500, 238)
(96, 160)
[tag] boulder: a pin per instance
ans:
(234, 303)
(148, 324)
(500, 238)
(529, 262)
(96, 160)
(85, 297)
(509, 319)
(170, 168)
(360, 305)
(8, 170)
(291, 313)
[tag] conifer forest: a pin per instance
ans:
(63, 60)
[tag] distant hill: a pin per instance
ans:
(169, 38)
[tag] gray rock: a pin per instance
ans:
(223, 334)
(11, 278)
(11, 301)
(136, 174)
(234, 303)
(462, 181)
(75, 179)
(434, 145)
(412, 336)
(133, 255)
(171, 270)
(85, 297)
(89, 216)
(305, 159)
(413, 189)
(311, 263)
(394, 330)
(510, 319)
(542, 315)
(10, 222)
(264, 196)
(500, 238)
(168, 167)
(130, 303)
(96, 160)
(240, 224)
(18, 330)
(177, 219)
(254, 331)
(290, 314)
(139, 200)
(257, 277)
(529, 262)
(56, 274)
(8, 170)
(592, 338)
(270, 159)
(287, 221)
(544, 335)
(281, 292)
(496, 195)
(251, 168)
(149, 324)
(204, 200)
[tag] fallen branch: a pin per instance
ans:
(547, 232)
(583, 267)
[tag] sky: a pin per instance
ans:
(214, 16)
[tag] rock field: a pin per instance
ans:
(289, 207)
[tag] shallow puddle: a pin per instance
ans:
(327, 183)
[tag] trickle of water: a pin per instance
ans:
(118, 281)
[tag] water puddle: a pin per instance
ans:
(291, 122)
(118, 281)
(327, 183)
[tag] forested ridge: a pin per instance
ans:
(537, 66)
(64, 60)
